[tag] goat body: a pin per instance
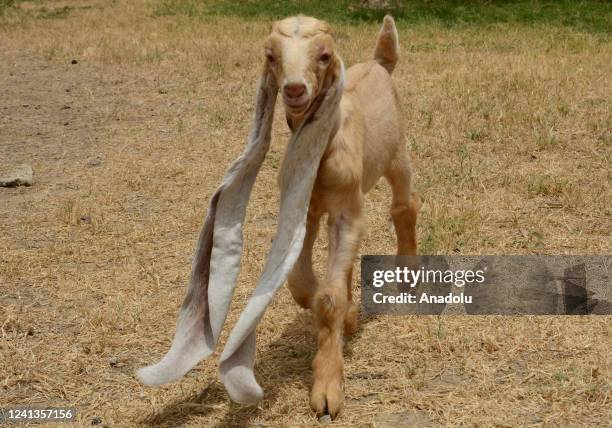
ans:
(346, 135)
(367, 145)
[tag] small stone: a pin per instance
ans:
(96, 420)
(21, 175)
(114, 361)
(74, 61)
(325, 419)
(85, 219)
(97, 161)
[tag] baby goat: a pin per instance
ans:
(346, 134)
(368, 143)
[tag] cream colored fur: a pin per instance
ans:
(346, 134)
(368, 144)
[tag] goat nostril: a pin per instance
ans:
(295, 90)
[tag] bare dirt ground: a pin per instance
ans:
(509, 129)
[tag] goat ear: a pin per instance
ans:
(302, 159)
(217, 258)
(327, 46)
(268, 87)
(334, 71)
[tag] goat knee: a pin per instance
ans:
(302, 285)
(302, 295)
(330, 308)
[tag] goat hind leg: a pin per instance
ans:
(302, 281)
(405, 205)
(351, 319)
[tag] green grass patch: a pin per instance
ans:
(39, 12)
(5, 4)
(587, 15)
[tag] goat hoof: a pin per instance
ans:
(327, 398)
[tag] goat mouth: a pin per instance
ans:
(296, 104)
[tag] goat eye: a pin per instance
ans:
(324, 58)
(270, 58)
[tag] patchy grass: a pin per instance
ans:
(5, 4)
(592, 15)
(509, 133)
(21, 11)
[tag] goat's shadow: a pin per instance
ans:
(284, 363)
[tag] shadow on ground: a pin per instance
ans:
(284, 363)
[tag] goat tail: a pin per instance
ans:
(387, 48)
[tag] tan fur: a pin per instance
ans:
(368, 144)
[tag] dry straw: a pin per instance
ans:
(509, 131)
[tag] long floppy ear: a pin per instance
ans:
(302, 161)
(216, 262)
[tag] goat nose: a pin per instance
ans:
(294, 90)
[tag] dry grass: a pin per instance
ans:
(510, 131)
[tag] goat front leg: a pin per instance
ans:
(331, 307)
